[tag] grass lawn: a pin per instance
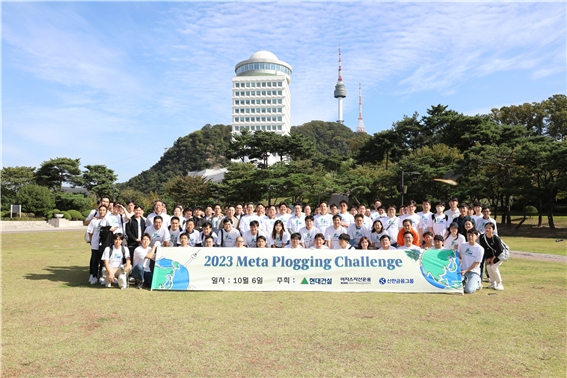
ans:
(544, 245)
(55, 324)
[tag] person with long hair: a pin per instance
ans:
(280, 237)
(376, 233)
(364, 244)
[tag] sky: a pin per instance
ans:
(117, 83)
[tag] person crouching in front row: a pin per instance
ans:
(112, 258)
(471, 255)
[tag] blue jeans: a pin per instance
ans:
(139, 274)
(472, 282)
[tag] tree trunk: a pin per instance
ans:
(508, 211)
(550, 211)
(540, 212)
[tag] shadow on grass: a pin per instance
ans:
(67, 275)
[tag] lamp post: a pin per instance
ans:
(403, 187)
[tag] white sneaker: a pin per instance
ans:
(108, 285)
(90, 278)
(93, 280)
(499, 286)
(102, 281)
(491, 286)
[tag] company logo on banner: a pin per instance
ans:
(254, 269)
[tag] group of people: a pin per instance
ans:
(123, 241)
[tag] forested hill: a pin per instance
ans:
(206, 148)
(199, 150)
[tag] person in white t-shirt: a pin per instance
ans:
(367, 220)
(141, 263)
(308, 232)
(279, 237)
(112, 257)
(357, 230)
(453, 238)
(104, 201)
(297, 221)
(158, 232)
(269, 219)
(158, 210)
(385, 243)
(346, 217)
(295, 241)
(324, 219)
(471, 255)
(425, 216)
(94, 233)
(392, 223)
(319, 242)
(207, 231)
(333, 232)
(174, 232)
(412, 215)
(261, 242)
(453, 210)
(283, 215)
(477, 214)
(228, 235)
(377, 205)
(480, 226)
(251, 236)
(249, 217)
(192, 233)
(376, 233)
(439, 222)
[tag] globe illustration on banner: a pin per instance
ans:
(170, 275)
(441, 268)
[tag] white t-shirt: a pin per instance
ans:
(391, 226)
(323, 221)
(415, 220)
(356, 233)
(347, 218)
(140, 257)
(298, 247)
(389, 249)
(161, 235)
(268, 224)
(202, 238)
(194, 237)
(470, 254)
(451, 241)
(94, 229)
(250, 240)
(114, 257)
(245, 222)
(165, 222)
(424, 220)
(452, 214)
(112, 221)
(228, 239)
(308, 236)
(482, 223)
(295, 223)
(322, 247)
(374, 237)
(439, 224)
(277, 241)
(332, 235)
(174, 237)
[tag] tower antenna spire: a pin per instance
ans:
(340, 91)
(360, 127)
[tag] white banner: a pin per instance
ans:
(254, 269)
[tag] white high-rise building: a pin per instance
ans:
(261, 99)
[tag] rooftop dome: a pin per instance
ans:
(263, 54)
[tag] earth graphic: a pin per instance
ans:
(170, 275)
(441, 268)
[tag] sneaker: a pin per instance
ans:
(491, 286)
(108, 285)
(139, 284)
(499, 286)
(90, 278)
(131, 279)
(102, 281)
(93, 280)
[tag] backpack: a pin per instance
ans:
(433, 217)
(505, 255)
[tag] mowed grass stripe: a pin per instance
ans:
(56, 324)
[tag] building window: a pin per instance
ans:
(279, 110)
(237, 93)
(247, 85)
(279, 127)
(241, 119)
(273, 110)
(269, 101)
(263, 84)
(257, 110)
(257, 93)
(247, 102)
(279, 100)
(269, 83)
(269, 127)
(247, 110)
(247, 119)
(279, 119)
(279, 83)
(269, 110)
(263, 110)
(253, 110)
(236, 128)
(279, 93)
(263, 119)
(242, 94)
(237, 85)
(247, 93)
(263, 93)
(253, 84)
(235, 119)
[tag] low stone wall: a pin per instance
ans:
(40, 224)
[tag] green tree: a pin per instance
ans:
(54, 172)
(99, 179)
(189, 190)
(12, 179)
(70, 201)
(35, 199)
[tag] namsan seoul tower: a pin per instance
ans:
(340, 91)
(360, 127)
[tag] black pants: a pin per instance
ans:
(96, 263)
